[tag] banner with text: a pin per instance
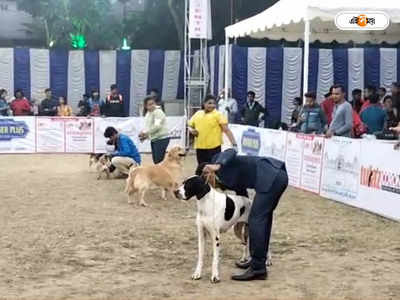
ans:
(312, 163)
(50, 135)
(341, 170)
(17, 135)
(380, 179)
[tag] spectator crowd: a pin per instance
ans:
(51, 106)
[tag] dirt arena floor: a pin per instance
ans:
(65, 235)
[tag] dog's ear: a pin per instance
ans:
(196, 186)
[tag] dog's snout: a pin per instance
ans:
(176, 193)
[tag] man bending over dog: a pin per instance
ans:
(268, 177)
(125, 155)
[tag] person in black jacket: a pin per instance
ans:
(114, 106)
(48, 106)
(250, 114)
(269, 178)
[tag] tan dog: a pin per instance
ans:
(102, 163)
(165, 175)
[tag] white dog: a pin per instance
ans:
(216, 213)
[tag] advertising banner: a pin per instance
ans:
(50, 135)
(380, 179)
(17, 135)
(312, 163)
(79, 135)
(294, 156)
(273, 144)
(341, 170)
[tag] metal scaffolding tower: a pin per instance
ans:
(196, 78)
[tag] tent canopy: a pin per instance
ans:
(286, 19)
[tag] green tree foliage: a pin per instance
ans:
(160, 26)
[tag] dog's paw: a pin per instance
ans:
(215, 279)
(269, 263)
(144, 204)
(196, 276)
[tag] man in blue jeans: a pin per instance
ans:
(126, 154)
(268, 177)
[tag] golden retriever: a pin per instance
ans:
(166, 175)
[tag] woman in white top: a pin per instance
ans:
(155, 129)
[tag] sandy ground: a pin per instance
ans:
(65, 235)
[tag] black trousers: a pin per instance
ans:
(260, 220)
(206, 155)
(158, 149)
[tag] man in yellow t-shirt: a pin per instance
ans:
(207, 126)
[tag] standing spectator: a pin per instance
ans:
(312, 118)
(4, 107)
(252, 111)
(20, 106)
(83, 106)
(381, 94)
(328, 105)
(374, 116)
(114, 103)
(126, 154)
(63, 110)
(228, 108)
(207, 126)
(96, 105)
(298, 102)
(156, 95)
(392, 113)
(155, 129)
(356, 101)
(342, 116)
(48, 107)
(369, 92)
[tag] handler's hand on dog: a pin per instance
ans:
(194, 132)
(211, 168)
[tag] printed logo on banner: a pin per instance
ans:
(11, 129)
(175, 134)
(368, 20)
(251, 142)
(380, 180)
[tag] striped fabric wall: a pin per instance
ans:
(73, 73)
(274, 74)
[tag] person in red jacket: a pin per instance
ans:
(327, 106)
(20, 105)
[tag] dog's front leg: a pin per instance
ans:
(201, 235)
(215, 264)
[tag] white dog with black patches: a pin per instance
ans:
(216, 213)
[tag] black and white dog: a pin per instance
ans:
(216, 213)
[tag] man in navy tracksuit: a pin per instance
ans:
(268, 177)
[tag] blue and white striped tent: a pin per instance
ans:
(275, 74)
(72, 73)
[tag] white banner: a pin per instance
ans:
(132, 127)
(312, 163)
(294, 155)
(341, 170)
(50, 135)
(273, 143)
(200, 19)
(17, 135)
(79, 135)
(380, 179)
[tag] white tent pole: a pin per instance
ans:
(226, 65)
(306, 55)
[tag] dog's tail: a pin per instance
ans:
(130, 182)
(241, 230)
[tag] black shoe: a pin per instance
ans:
(251, 274)
(243, 265)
